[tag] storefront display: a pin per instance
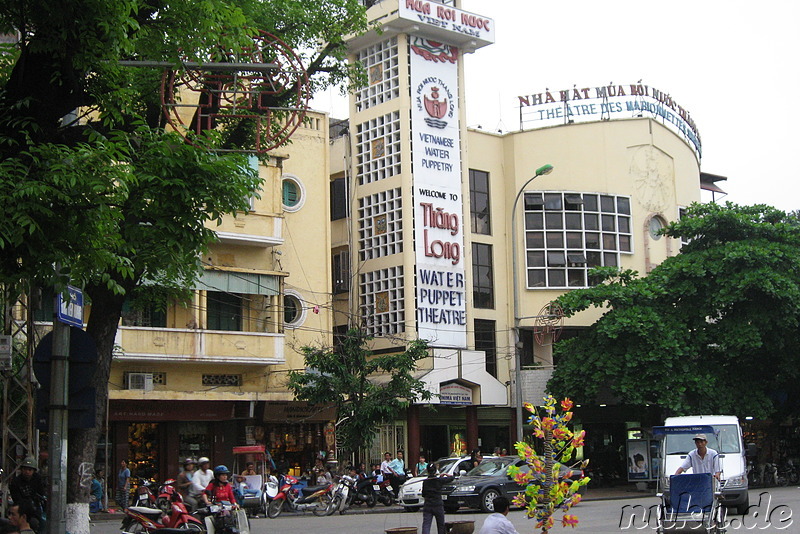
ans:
(193, 440)
(143, 442)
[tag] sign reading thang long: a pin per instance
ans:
(586, 104)
(438, 205)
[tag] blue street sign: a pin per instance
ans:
(70, 312)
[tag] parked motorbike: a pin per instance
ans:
(144, 496)
(341, 493)
(362, 492)
(318, 499)
(788, 474)
(382, 487)
(166, 493)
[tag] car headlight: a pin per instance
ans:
(464, 489)
(738, 481)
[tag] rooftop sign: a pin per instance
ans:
(587, 104)
(436, 20)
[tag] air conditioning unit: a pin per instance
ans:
(143, 381)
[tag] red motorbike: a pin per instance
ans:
(172, 518)
(290, 496)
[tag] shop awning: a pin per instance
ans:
(238, 282)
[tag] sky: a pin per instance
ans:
(733, 65)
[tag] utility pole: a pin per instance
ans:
(58, 426)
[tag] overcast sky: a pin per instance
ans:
(732, 64)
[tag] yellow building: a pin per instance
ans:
(202, 378)
(441, 234)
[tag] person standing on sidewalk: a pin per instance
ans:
(123, 485)
(434, 506)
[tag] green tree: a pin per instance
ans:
(711, 330)
(90, 178)
(344, 377)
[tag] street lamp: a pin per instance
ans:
(544, 169)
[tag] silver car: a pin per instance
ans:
(411, 491)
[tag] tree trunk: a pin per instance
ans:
(82, 443)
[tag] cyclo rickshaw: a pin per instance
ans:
(252, 487)
(689, 498)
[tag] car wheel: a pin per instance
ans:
(743, 508)
(487, 500)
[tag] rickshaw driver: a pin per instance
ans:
(702, 459)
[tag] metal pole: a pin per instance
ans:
(546, 169)
(57, 429)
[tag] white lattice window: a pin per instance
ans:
(380, 63)
(378, 146)
(222, 380)
(566, 234)
(380, 224)
(382, 301)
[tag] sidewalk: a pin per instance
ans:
(624, 491)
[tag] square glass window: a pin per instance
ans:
(594, 259)
(609, 242)
(574, 240)
(592, 240)
(534, 240)
(557, 277)
(536, 278)
(575, 258)
(607, 204)
(573, 221)
(609, 259)
(591, 221)
(589, 202)
(576, 277)
(533, 201)
(480, 214)
(624, 205)
(608, 223)
(536, 259)
(555, 240)
(553, 201)
(572, 202)
(624, 224)
(556, 259)
(553, 221)
(625, 243)
(533, 221)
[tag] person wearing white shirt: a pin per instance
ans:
(702, 459)
(203, 476)
(498, 523)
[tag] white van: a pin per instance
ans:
(727, 441)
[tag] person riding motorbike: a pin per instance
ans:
(185, 486)
(28, 487)
(219, 489)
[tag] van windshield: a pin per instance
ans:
(726, 443)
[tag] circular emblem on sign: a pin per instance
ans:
(436, 101)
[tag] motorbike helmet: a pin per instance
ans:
(221, 470)
(188, 461)
(203, 460)
(30, 462)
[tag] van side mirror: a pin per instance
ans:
(462, 473)
(751, 450)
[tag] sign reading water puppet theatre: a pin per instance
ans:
(438, 206)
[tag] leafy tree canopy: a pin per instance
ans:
(711, 330)
(342, 377)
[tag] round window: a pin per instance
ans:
(656, 224)
(292, 194)
(292, 310)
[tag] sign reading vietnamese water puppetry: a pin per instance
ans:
(438, 206)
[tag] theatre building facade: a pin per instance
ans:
(424, 212)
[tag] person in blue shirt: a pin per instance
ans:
(96, 494)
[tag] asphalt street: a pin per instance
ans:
(772, 511)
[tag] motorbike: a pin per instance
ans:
(318, 499)
(166, 494)
(342, 492)
(382, 487)
(144, 496)
(361, 492)
(788, 474)
(147, 519)
(224, 518)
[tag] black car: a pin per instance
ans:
(480, 487)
